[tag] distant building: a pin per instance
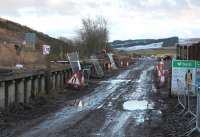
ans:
(30, 39)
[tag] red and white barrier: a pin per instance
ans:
(161, 72)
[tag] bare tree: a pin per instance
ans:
(93, 35)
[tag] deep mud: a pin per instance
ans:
(104, 109)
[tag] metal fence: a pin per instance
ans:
(184, 101)
(74, 61)
(181, 96)
(97, 66)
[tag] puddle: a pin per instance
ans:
(137, 101)
(137, 105)
(115, 81)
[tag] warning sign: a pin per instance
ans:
(77, 80)
(46, 49)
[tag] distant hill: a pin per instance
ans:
(12, 32)
(144, 43)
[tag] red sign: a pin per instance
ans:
(77, 80)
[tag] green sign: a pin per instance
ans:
(197, 64)
(184, 64)
(180, 70)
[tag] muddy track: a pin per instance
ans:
(102, 112)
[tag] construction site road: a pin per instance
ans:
(118, 107)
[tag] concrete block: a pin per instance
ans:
(11, 92)
(2, 95)
(28, 89)
(62, 79)
(57, 81)
(36, 87)
(53, 81)
(20, 91)
(42, 80)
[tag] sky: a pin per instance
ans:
(127, 19)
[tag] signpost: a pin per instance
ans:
(77, 80)
(185, 71)
(46, 52)
(46, 49)
(188, 72)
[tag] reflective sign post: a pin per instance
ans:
(46, 53)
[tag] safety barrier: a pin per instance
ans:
(20, 88)
(184, 101)
(197, 118)
(181, 97)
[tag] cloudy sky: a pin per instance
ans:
(127, 19)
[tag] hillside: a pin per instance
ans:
(144, 43)
(12, 32)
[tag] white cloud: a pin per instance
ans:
(128, 19)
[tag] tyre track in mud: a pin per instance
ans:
(101, 113)
(117, 119)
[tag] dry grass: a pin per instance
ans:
(9, 57)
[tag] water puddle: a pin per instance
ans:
(137, 105)
(138, 101)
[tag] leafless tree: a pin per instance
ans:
(93, 35)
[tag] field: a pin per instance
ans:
(157, 52)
